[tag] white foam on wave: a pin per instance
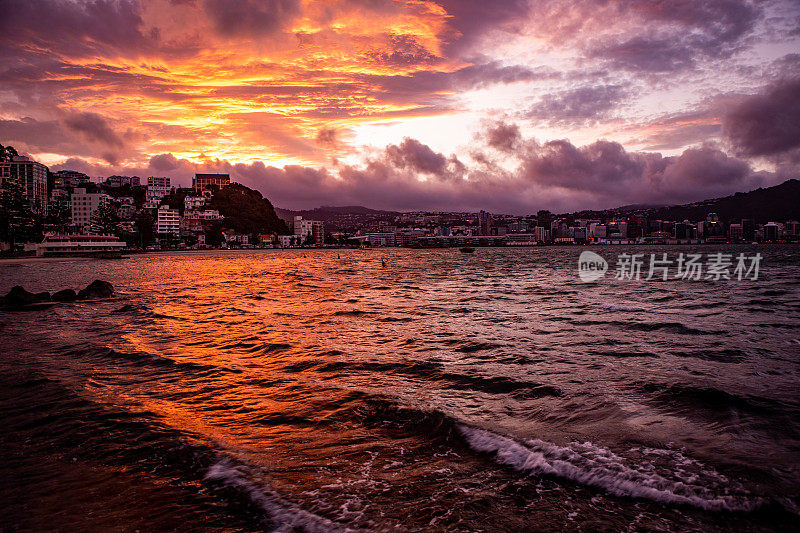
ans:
(596, 466)
(286, 516)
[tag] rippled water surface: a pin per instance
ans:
(328, 391)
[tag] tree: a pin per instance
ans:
(214, 234)
(105, 219)
(17, 221)
(146, 227)
(58, 217)
(7, 153)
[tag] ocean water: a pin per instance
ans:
(403, 390)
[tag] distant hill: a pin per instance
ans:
(339, 218)
(777, 203)
(330, 211)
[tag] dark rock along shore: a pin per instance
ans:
(19, 297)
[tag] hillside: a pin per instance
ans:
(246, 211)
(781, 202)
(777, 203)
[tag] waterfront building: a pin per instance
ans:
(735, 232)
(541, 233)
(64, 244)
(771, 231)
(288, 240)
(309, 231)
(484, 223)
(31, 176)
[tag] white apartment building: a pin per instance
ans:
(168, 221)
(309, 228)
(288, 240)
(83, 205)
(157, 188)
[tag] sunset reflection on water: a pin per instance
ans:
(413, 389)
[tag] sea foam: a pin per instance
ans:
(284, 515)
(685, 482)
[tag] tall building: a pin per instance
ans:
(748, 229)
(309, 230)
(168, 221)
(83, 205)
(31, 176)
(484, 223)
(201, 181)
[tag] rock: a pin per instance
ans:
(96, 289)
(19, 296)
(67, 295)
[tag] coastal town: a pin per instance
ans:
(62, 212)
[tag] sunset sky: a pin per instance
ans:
(509, 106)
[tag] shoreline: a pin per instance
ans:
(63, 258)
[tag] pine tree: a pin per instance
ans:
(17, 221)
(105, 220)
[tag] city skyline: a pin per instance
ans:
(459, 105)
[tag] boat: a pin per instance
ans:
(466, 250)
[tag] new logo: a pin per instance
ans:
(591, 266)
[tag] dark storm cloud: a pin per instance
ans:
(578, 106)
(251, 17)
(164, 162)
(766, 124)
(644, 53)
(555, 175)
(423, 86)
(472, 19)
(74, 28)
(51, 136)
(94, 128)
(413, 155)
(662, 36)
(503, 136)
(606, 174)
